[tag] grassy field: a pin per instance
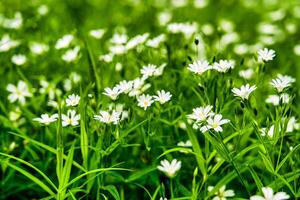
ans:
(149, 99)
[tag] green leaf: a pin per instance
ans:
(31, 166)
(32, 178)
(113, 191)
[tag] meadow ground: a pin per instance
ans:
(149, 99)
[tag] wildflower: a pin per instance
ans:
(106, 57)
(162, 96)
(246, 74)
(137, 40)
(38, 48)
(199, 67)
(64, 42)
(112, 93)
(148, 70)
(70, 119)
(201, 114)
(223, 65)
(163, 198)
(187, 29)
(273, 99)
(144, 101)
(125, 86)
(46, 119)
(281, 82)
(6, 43)
(14, 115)
(244, 91)
(49, 88)
(215, 123)
(266, 54)
(18, 59)
(119, 38)
(97, 33)
(123, 113)
(268, 194)
(72, 100)
(268, 132)
(139, 87)
(188, 143)
(155, 42)
(159, 70)
(285, 98)
(184, 144)
(107, 117)
(13, 23)
(117, 49)
(43, 10)
(164, 17)
(222, 193)
(292, 125)
(170, 169)
(19, 92)
(71, 54)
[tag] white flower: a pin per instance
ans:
(144, 101)
(137, 40)
(148, 70)
(18, 92)
(285, 98)
(201, 114)
(292, 125)
(214, 123)
(12, 23)
(246, 74)
(223, 65)
(38, 48)
(155, 42)
(266, 54)
(125, 86)
(199, 67)
(188, 143)
(269, 132)
(244, 91)
(46, 119)
(97, 33)
(162, 96)
(187, 29)
(18, 59)
(117, 49)
(273, 99)
(268, 194)
(112, 93)
(139, 87)
(106, 57)
(72, 100)
(76, 78)
(14, 115)
(119, 38)
(159, 70)
(64, 42)
(107, 117)
(282, 81)
(70, 119)
(71, 54)
(6, 43)
(222, 193)
(43, 9)
(170, 169)
(163, 198)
